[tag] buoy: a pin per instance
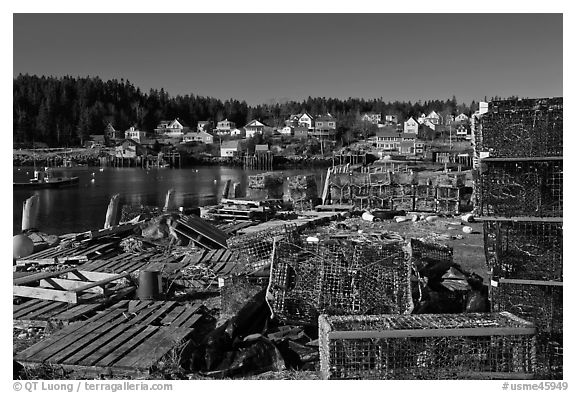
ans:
(467, 229)
(22, 246)
(93, 174)
(366, 216)
(467, 217)
(312, 239)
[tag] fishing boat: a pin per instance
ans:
(46, 179)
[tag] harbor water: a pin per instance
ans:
(83, 207)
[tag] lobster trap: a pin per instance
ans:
(519, 188)
(425, 252)
(427, 346)
(524, 249)
(540, 303)
(338, 276)
(522, 128)
(256, 247)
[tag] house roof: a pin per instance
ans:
(229, 144)
(131, 141)
(408, 135)
(411, 118)
(387, 131)
(261, 148)
(254, 123)
(204, 122)
(327, 117)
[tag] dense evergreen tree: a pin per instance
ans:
(65, 111)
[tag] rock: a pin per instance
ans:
(366, 216)
(400, 219)
(467, 229)
(467, 217)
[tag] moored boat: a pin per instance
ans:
(46, 179)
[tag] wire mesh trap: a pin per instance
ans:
(522, 128)
(530, 250)
(526, 188)
(344, 276)
(426, 346)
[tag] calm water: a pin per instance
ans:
(83, 208)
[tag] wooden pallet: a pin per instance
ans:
(83, 253)
(201, 233)
(125, 262)
(45, 313)
(130, 338)
(70, 285)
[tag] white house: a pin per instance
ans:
(411, 126)
(201, 136)
(135, 135)
(229, 148)
(287, 130)
(225, 126)
(254, 127)
(301, 120)
(433, 118)
(392, 119)
(172, 129)
(461, 118)
(237, 132)
(371, 117)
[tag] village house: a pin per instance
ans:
(172, 129)
(95, 141)
(411, 126)
(371, 117)
(301, 120)
(204, 125)
(129, 148)
(391, 119)
(463, 131)
(254, 127)
(461, 118)
(201, 136)
(225, 127)
(261, 149)
(111, 135)
(238, 132)
(387, 139)
(288, 130)
(229, 148)
(325, 126)
(135, 135)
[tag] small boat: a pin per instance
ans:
(46, 179)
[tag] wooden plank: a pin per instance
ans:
(190, 322)
(85, 275)
(26, 307)
(100, 283)
(32, 278)
(83, 347)
(44, 312)
(137, 305)
(64, 336)
(126, 347)
(45, 293)
(76, 312)
(530, 282)
(463, 332)
(520, 219)
(63, 284)
(182, 318)
(172, 315)
(166, 307)
(152, 350)
(100, 351)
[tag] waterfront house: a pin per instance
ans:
(324, 126)
(111, 135)
(387, 139)
(254, 127)
(204, 125)
(411, 126)
(229, 148)
(301, 120)
(433, 118)
(172, 129)
(261, 149)
(288, 130)
(225, 127)
(136, 135)
(129, 148)
(391, 119)
(463, 131)
(95, 141)
(201, 136)
(238, 132)
(371, 117)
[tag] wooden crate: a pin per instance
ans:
(427, 346)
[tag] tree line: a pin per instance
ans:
(64, 111)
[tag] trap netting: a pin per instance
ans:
(530, 250)
(525, 188)
(426, 346)
(344, 276)
(256, 248)
(522, 128)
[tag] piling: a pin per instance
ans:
(226, 189)
(237, 190)
(112, 214)
(30, 211)
(169, 202)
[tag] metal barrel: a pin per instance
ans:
(149, 285)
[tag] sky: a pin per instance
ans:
(265, 57)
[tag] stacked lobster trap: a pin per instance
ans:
(407, 191)
(519, 195)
